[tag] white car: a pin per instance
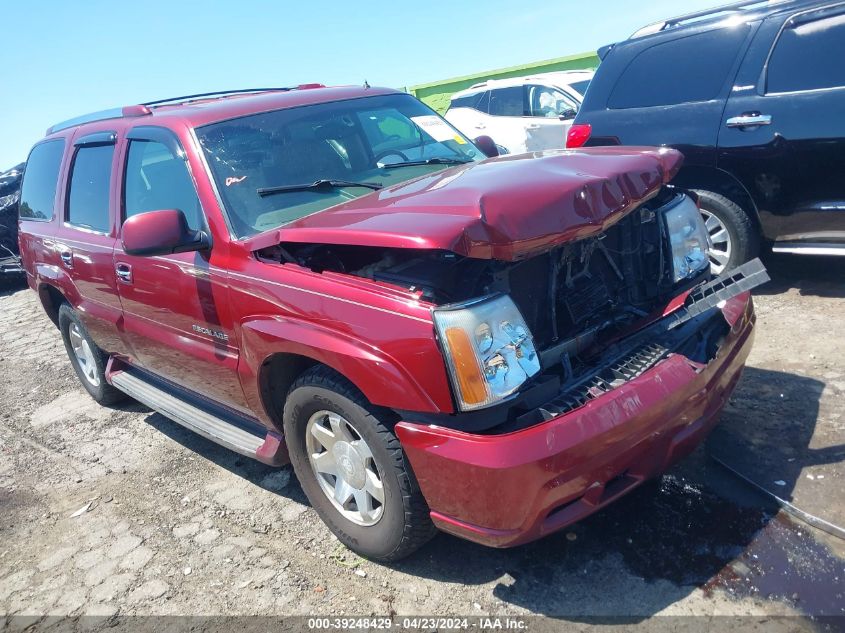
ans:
(522, 114)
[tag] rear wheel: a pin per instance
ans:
(88, 360)
(734, 237)
(352, 468)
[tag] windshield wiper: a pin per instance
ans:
(428, 161)
(317, 184)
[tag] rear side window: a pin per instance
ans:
(808, 56)
(41, 177)
(479, 101)
(692, 68)
(88, 197)
(156, 179)
(507, 101)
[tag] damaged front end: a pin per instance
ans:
(592, 313)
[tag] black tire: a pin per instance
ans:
(405, 525)
(745, 238)
(103, 392)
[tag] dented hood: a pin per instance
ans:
(504, 208)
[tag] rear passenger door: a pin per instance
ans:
(783, 130)
(507, 121)
(85, 243)
(176, 307)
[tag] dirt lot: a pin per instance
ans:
(177, 525)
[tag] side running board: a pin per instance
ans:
(240, 435)
(728, 285)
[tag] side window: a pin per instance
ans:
(692, 68)
(808, 55)
(88, 197)
(548, 102)
(507, 101)
(155, 179)
(40, 180)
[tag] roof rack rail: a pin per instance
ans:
(218, 93)
(101, 115)
(734, 7)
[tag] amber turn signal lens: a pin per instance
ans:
(470, 381)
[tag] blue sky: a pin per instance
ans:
(66, 58)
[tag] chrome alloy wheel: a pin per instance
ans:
(721, 244)
(344, 467)
(84, 355)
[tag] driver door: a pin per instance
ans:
(546, 129)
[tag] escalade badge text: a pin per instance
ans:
(222, 336)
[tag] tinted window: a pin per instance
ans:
(88, 198)
(41, 177)
(580, 86)
(507, 101)
(809, 56)
(156, 179)
(692, 68)
(479, 101)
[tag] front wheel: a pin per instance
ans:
(352, 468)
(734, 237)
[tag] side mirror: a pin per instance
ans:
(487, 146)
(161, 233)
(568, 113)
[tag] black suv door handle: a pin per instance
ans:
(124, 273)
(67, 258)
(749, 119)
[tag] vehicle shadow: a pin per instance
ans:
(11, 286)
(809, 275)
(633, 559)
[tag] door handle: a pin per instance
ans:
(749, 119)
(124, 273)
(480, 126)
(533, 126)
(67, 258)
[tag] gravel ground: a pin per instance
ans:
(174, 525)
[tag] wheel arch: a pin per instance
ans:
(278, 350)
(721, 182)
(51, 300)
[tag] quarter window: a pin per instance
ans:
(156, 180)
(41, 177)
(88, 197)
(692, 68)
(808, 56)
(479, 101)
(507, 101)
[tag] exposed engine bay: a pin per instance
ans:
(576, 299)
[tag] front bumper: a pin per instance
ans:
(504, 490)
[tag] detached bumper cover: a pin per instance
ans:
(503, 490)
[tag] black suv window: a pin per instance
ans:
(507, 101)
(41, 177)
(692, 68)
(88, 198)
(479, 101)
(156, 179)
(808, 55)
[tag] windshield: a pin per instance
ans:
(346, 142)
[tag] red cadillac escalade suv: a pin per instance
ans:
(433, 336)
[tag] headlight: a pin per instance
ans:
(489, 350)
(688, 239)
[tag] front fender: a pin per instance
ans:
(381, 379)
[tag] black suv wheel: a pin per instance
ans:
(734, 237)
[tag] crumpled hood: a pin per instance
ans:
(504, 208)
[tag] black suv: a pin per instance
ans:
(753, 94)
